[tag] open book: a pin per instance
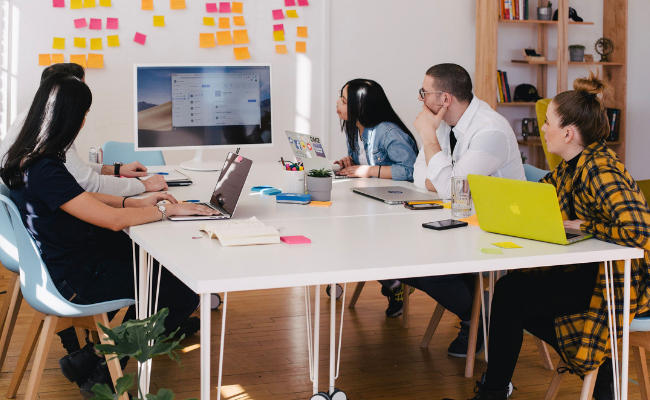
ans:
(242, 233)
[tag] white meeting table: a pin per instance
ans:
(356, 239)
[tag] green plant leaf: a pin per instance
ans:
(104, 392)
(163, 394)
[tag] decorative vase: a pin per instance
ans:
(544, 13)
(576, 55)
(320, 189)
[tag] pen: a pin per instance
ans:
(190, 201)
(282, 161)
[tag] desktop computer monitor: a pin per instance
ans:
(202, 106)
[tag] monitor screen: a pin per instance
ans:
(202, 106)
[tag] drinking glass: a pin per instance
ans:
(461, 198)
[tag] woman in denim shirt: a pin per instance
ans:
(379, 144)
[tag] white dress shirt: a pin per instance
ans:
(486, 146)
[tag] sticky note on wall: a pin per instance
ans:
(224, 23)
(238, 21)
(177, 4)
(158, 20)
(303, 2)
(211, 7)
(95, 23)
(289, 3)
(80, 23)
(278, 27)
(105, 3)
(206, 40)
(301, 47)
(80, 42)
(139, 38)
(113, 41)
(57, 59)
(78, 59)
(224, 38)
(76, 4)
(241, 53)
(112, 23)
(96, 44)
(237, 7)
(240, 36)
(224, 7)
(209, 21)
(281, 49)
(58, 43)
(302, 31)
(95, 61)
(278, 14)
(147, 4)
(44, 59)
(292, 14)
(278, 36)
(90, 4)
(58, 3)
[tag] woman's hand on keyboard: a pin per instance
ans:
(189, 209)
(573, 224)
(155, 199)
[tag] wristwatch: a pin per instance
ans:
(163, 210)
(117, 166)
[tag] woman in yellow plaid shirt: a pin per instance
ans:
(564, 305)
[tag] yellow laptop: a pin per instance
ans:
(529, 210)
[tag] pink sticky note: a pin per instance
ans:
(95, 23)
(303, 2)
(139, 38)
(295, 239)
(211, 7)
(80, 23)
(278, 27)
(58, 3)
(278, 14)
(289, 3)
(224, 7)
(111, 23)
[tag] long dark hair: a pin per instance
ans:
(368, 104)
(51, 126)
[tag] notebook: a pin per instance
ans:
(529, 210)
(308, 150)
(242, 233)
(394, 194)
(227, 190)
(173, 178)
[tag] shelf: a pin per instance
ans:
(534, 62)
(613, 64)
(518, 103)
(535, 21)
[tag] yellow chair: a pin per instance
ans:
(540, 108)
(644, 185)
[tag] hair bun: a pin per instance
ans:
(592, 85)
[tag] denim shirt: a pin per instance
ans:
(387, 144)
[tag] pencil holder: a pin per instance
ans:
(294, 182)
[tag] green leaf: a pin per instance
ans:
(124, 383)
(163, 394)
(103, 392)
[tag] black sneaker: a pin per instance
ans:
(189, 328)
(604, 386)
(79, 366)
(395, 300)
(100, 375)
(458, 348)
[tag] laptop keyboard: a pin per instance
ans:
(212, 206)
(571, 235)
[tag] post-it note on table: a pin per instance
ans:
(302, 31)
(237, 7)
(158, 20)
(278, 36)
(238, 21)
(58, 3)
(139, 38)
(281, 49)
(95, 61)
(241, 53)
(80, 23)
(206, 40)
(96, 44)
(489, 250)
(269, 191)
(447, 205)
(78, 59)
(295, 239)
(76, 4)
(80, 42)
(278, 27)
(58, 43)
(224, 38)
(105, 3)
(224, 7)
(301, 47)
(112, 23)
(303, 2)
(209, 21)
(260, 188)
(278, 14)
(472, 220)
(507, 245)
(292, 14)
(240, 36)
(90, 4)
(177, 4)
(113, 41)
(95, 23)
(224, 23)
(44, 59)
(211, 7)
(147, 5)
(57, 59)
(320, 204)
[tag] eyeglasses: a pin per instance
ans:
(421, 92)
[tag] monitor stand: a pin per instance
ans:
(198, 164)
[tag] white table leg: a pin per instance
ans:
(205, 345)
(223, 340)
(316, 335)
(626, 328)
(333, 337)
(143, 312)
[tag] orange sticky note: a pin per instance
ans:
(95, 61)
(147, 4)
(80, 42)
(224, 23)
(58, 43)
(238, 21)
(44, 59)
(89, 4)
(278, 36)
(78, 59)
(113, 41)
(158, 20)
(292, 14)
(223, 38)
(57, 59)
(207, 40)
(177, 4)
(240, 36)
(208, 21)
(76, 4)
(281, 49)
(96, 44)
(105, 3)
(302, 31)
(237, 7)
(241, 53)
(301, 47)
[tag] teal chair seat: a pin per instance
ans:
(534, 174)
(125, 153)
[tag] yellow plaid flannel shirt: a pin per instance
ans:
(609, 200)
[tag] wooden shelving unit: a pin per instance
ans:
(614, 72)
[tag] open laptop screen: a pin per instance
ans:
(231, 182)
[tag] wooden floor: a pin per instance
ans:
(266, 354)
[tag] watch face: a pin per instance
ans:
(162, 208)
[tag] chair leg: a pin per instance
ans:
(554, 387)
(543, 352)
(641, 371)
(112, 361)
(588, 385)
(25, 354)
(355, 296)
(405, 309)
(433, 324)
(4, 310)
(44, 342)
(81, 336)
(13, 300)
(473, 329)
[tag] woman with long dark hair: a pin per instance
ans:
(379, 144)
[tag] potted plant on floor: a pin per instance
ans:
(545, 13)
(319, 184)
(576, 52)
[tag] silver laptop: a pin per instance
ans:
(308, 150)
(227, 191)
(395, 194)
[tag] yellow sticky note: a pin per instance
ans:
(223, 38)
(302, 31)
(105, 3)
(507, 245)
(80, 42)
(207, 40)
(177, 4)
(292, 14)
(208, 21)
(96, 44)
(240, 36)
(489, 250)
(76, 4)
(281, 49)
(241, 53)
(238, 21)
(237, 7)
(301, 47)
(57, 59)
(447, 205)
(78, 59)
(158, 20)
(278, 36)
(320, 204)
(95, 61)
(472, 220)
(224, 23)
(89, 4)
(58, 43)
(147, 4)
(113, 41)
(44, 59)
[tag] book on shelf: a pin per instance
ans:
(499, 88)
(514, 9)
(242, 233)
(614, 116)
(503, 94)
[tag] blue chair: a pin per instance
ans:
(534, 174)
(125, 153)
(53, 312)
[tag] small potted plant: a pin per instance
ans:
(319, 184)
(545, 13)
(576, 52)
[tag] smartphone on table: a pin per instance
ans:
(422, 206)
(444, 224)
